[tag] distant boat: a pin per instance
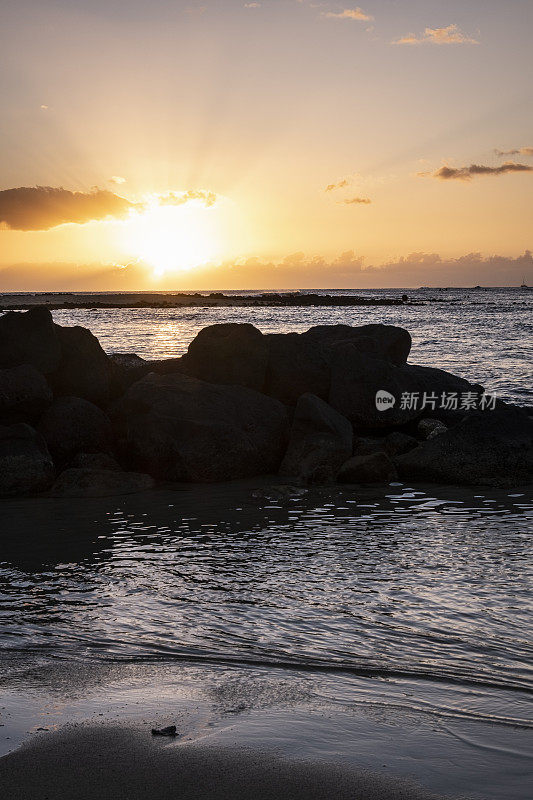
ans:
(524, 284)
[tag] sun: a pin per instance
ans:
(172, 238)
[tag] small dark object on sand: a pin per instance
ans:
(168, 731)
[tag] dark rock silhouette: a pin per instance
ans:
(24, 394)
(489, 447)
(72, 425)
(356, 379)
(26, 466)
(320, 441)
(229, 354)
(99, 483)
(84, 369)
(180, 428)
(222, 411)
(372, 468)
(29, 338)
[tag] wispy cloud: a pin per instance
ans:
(340, 185)
(520, 151)
(179, 198)
(349, 13)
(117, 179)
(467, 173)
(451, 34)
(351, 201)
(252, 5)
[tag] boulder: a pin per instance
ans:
(494, 448)
(176, 427)
(295, 366)
(84, 369)
(29, 337)
(397, 443)
(126, 368)
(26, 466)
(99, 483)
(24, 394)
(72, 425)
(301, 362)
(366, 445)
(98, 461)
(428, 428)
(373, 468)
(387, 342)
(358, 382)
(229, 353)
(320, 441)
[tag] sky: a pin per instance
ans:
(274, 144)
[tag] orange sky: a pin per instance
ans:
(281, 143)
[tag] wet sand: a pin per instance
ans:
(90, 763)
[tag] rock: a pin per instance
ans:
(295, 366)
(170, 730)
(397, 443)
(301, 362)
(428, 428)
(229, 353)
(24, 394)
(126, 368)
(387, 342)
(29, 337)
(99, 483)
(72, 425)
(366, 445)
(373, 468)
(490, 447)
(93, 461)
(84, 369)
(180, 428)
(357, 379)
(26, 466)
(320, 441)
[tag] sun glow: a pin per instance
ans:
(173, 238)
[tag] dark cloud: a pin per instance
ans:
(519, 151)
(350, 201)
(467, 173)
(39, 208)
(340, 185)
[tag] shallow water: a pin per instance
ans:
(410, 583)
(484, 335)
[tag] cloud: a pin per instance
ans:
(295, 271)
(452, 34)
(520, 151)
(340, 185)
(467, 173)
(252, 5)
(349, 13)
(350, 201)
(43, 207)
(44, 107)
(117, 179)
(39, 208)
(179, 198)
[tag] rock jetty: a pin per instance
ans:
(336, 404)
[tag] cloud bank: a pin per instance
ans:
(451, 34)
(295, 271)
(467, 173)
